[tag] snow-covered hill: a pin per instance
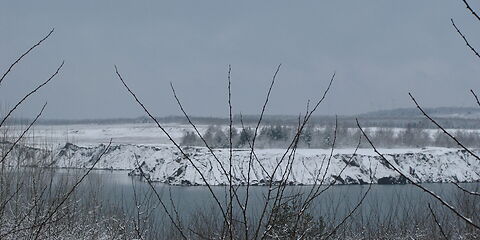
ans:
(166, 164)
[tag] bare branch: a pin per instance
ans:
(198, 132)
(465, 39)
(172, 141)
(30, 93)
(443, 202)
(437, 222)
(165, 209)
(471, 10)
(293, 145)
(24, 54)
(465, 190)
(443, 129)
(23, 134)
(71, 190)
(476, 98)
(354, 209)
(231, 155)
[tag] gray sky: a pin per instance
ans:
(380, 50)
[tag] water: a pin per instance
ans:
(112, 189)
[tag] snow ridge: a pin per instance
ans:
(164, 163)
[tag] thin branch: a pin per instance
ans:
(149, 182)
(23, 134)
(210, 149)
(465, 190)
(340, 173)
(30, 93)
(443, 202)
(231, 154)
(437, 222)
(72, 190)
(172, 141)
(255, 134)
(465, 39)
(354, 209)
(138, 212)
(250, 146)
(471, 10)
(476, 98)
(443, 129)
(24, 54)
(292, 145)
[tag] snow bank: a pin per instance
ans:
(166, 164)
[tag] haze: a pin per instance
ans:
(380, 50)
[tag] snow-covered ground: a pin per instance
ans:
(94, 134)
(135, 133)
(146, 145)
(164, 163)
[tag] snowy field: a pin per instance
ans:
(94, 134)
(145, 144)
(135, 133)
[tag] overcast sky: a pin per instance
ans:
(379, 49)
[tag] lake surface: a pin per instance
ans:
(114, 189)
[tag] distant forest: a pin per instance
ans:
(448, 117)
(280, 136)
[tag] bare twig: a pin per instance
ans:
(24, 54)
(30, 93)
(476, 98)
(354, 209)
(471, 10)
(164, 206)
(292, 145)
(210, 149)
(23, 134)
(437, 222)
(137, 224)
(52, 213)
(465, 190)
(172, 141)
(465, 39)
(443, 129)
(429, 192)
(231, 155)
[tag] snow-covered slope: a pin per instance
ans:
(166, 164)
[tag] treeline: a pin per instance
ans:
(280, 136)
